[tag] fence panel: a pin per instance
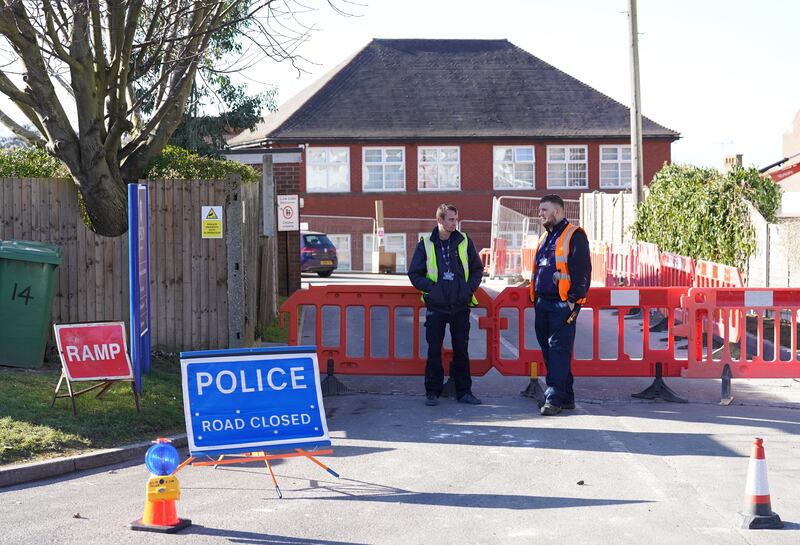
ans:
(768, 345)
(377, 330)
(188, 273)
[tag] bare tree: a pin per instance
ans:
(104, 83)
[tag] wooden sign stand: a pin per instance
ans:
(245, 458)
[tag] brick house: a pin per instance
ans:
(419, 122)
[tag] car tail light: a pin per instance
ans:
(307, 250)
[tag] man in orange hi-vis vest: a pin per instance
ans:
(562, 272)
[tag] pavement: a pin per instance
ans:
(615, 470)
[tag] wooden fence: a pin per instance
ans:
(204, 291)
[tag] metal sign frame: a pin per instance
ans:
(246, 392)
(139, 279)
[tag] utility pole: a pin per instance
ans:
(637, 186)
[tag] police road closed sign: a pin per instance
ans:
(252, 400)
(93, 351)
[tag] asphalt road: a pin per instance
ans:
(496, 473)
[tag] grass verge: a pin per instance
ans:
(31, 430)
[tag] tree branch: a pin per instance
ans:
(27, 135)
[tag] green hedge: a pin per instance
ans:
(30, 163)
(176, 163)
(701, 213)
(172, 164)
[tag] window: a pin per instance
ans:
(342, 244)
(615, 166)
(513, 167)
(327, 170)
(567, 166)
(395, 242)
(384, 169)
(439, 168)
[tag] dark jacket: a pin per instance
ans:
(579, 263)
(447, 296)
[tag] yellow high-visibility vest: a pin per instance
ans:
(433, 268)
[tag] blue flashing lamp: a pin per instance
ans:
(162, 458)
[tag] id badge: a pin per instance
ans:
(543, 262)
(448, 275)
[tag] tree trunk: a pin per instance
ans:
(105, 198)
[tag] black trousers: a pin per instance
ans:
(435, 323)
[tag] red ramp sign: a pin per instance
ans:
(93, 351)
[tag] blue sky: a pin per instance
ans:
(722, 73)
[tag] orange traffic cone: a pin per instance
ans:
(160, 512)
(758, 513)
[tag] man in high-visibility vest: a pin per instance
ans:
(562, 273)
(447, 270)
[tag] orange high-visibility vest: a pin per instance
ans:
(562, 266)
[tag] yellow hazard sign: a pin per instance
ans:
(211, 220)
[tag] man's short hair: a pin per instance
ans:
(441, 212)
(555, 199)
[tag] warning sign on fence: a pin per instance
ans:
(212, 221)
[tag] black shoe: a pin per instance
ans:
(469, 399)
(550, 410)
(431, 400)
(568, 406)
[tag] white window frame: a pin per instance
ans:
(514, 162)
(618, 162)
(568, 162)
(327, 163)
(368, 248)
(457, 162)
(383, 164)
(349, 250)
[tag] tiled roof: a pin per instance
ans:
(413, 89)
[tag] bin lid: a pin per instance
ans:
(26, 250)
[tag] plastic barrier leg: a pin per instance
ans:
(659, 390)
(725, 397)
(332, 386)
(534, 388)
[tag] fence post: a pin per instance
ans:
(234, 206)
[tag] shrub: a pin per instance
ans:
(30, 162)
(176, 163)
(701, 213)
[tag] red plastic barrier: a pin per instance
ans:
(528, 255)
(621, 265)
(676, 270)
(728, 306)
(499, 247)
(349, 355)
(598, 251)
(648, 265)
(486, 258)
(713, 275)
(513, 357)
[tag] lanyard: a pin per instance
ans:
(446, 253)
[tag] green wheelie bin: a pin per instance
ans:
(27, 278)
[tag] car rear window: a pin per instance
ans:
(320, 241)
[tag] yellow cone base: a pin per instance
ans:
(139, 526)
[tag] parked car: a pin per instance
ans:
(317, 253)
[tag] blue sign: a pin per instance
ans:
(139, 279)
(256, 399)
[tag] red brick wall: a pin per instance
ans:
(287, 182)
(474, 199)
